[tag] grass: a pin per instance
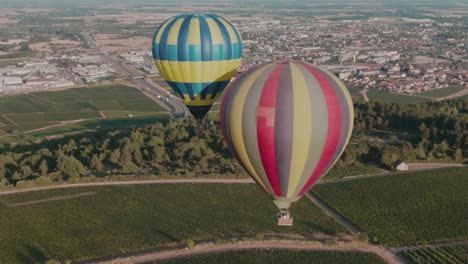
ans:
(277, 256)
(119, 219)
(442, 92)
(376, 95)
(403, 209)
(41, 109)
(451, 254)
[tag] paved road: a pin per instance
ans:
(174, 105)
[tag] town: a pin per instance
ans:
(391, 52)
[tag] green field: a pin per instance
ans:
(442, 92)
(116, 219)
(41, 109)
(279, 256)
(450, 255)
(376, 95)
(402, 209)
(108, 123)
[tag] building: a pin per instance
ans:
(402, 166)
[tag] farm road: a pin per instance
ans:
(333, 213)
(162, 181)
(455, 95)
(295, 245)
(55, 198)
(227, 181)
(364, 94)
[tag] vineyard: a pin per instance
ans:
(24, 112)
(406, 208)
(450, 255)
(264, 256)
(81, 223)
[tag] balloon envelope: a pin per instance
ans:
(197, 55)
(287, 123)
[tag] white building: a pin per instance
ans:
(402, 166)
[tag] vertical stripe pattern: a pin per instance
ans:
(197, 55)
(287, 123)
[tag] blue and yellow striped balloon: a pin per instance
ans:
(197, 55)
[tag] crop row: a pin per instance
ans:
(122, 219)
(406, 208)
(451, 255)
(279, 256)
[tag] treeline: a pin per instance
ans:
(172, 149)
(384, 134)
(388, 133)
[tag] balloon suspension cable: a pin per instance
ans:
(284, 218)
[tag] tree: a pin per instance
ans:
(96, 164)
(190, 243)
(458, 154)
(70, 166)
(43, 169)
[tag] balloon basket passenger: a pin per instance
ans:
(284, 218)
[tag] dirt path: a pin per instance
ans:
(91, 184)
(174, 181)
(429, 166)
(12, 122)
(102, 114)
(43, 99)
(364, 94)
(455, 95)
(273, 244)
(61, 123)
(54, 198)
(333, 213)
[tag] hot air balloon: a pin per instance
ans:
(287, 123)
(197, 55)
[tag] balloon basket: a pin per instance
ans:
(284, 219)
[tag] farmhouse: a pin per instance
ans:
(402, 166)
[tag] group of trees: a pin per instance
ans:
(171, 149)
(384, 133)
(429, 131)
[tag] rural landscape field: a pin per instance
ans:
(57, 112)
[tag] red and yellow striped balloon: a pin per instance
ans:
(287, 123)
